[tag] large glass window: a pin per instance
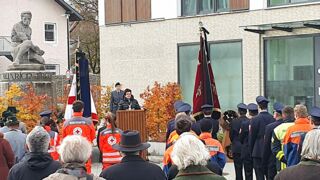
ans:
(283, 2)
(290, 70)
(226, 60)
(194, 7)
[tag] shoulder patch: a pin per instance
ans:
(213, 148)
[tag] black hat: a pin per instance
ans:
(12, 109)
(315, 112)
(131, 142)
(117, 84)
(278, 107)
(261, 99)
(6, 114)
(185, 107)
(242, 106)
(207, 107)
(252, 107)
(12, 120)
(46, 113)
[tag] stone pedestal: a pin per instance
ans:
(26, 67)
(41, 80)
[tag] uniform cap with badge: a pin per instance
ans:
(278, 107)
(261, 99)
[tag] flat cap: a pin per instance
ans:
(261, 99)
(278, 107)
(45, 113)
(242, 106)
(315, 112)
(252, 107)
(177, 104)
(185, 107)
(207, 107)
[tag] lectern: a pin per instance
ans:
(133, 120)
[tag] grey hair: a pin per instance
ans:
(75, 148)
(38, 140)
(26, 13)
(189, 150)
(311, 145)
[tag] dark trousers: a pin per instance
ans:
(272, 168)
(258, 169)
(248, 168)
(238, 165)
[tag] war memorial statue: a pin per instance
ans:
(26, 55)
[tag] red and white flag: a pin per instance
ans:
(72, 97)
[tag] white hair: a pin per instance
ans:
(311, 145)
(189, 150)
(38, 140)
(75, 148)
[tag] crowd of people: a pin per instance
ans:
(285, 145)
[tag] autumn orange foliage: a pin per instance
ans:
(158, 102)
(27, 102)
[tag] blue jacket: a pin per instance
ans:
(234, 134)
(268, 157)
(257, 131)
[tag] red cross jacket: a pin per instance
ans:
(54, 143)
(110, 156)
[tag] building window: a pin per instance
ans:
(50, 32)
(195, 7)
(284, 2)
(290, 70)
(228, 80)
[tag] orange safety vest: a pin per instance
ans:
(54, 143)
(173, 137)
(110, 156)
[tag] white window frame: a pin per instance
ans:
(55, 33)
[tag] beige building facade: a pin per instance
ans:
(269, 51)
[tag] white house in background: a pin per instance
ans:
(49, 29)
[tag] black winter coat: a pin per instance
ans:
(133, 168)
(35, 166)
(132, 103)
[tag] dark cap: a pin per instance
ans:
(46, 113)
(117, 84)
(185, 107)
(252, 107)
(278, 107)
(315, 112)
(13, 109)
(177, 105)
(12, 121)
(242, 106)
(207, 107)
(261, 99)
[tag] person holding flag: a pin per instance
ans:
(80, 113)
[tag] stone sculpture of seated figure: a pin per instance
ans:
(23, 50)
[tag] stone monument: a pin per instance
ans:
(28, 64)
(26, 55)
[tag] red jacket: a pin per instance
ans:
(54, 143)
(6, 157)
(110, 156)
(79, 125)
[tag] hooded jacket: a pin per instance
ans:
(35, 166)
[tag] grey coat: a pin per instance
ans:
(116, 97)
